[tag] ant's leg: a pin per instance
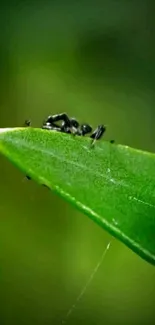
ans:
(98, 133)
(51, 127)
(59, 117)
(112, 141)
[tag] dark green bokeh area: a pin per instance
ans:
(96, 61)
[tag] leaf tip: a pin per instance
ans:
(3, 130)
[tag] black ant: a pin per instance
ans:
(71, 125)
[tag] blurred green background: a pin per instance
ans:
(96, 61)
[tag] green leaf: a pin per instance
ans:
(113, 184)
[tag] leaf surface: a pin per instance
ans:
(113, 184)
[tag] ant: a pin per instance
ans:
(72, 126)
